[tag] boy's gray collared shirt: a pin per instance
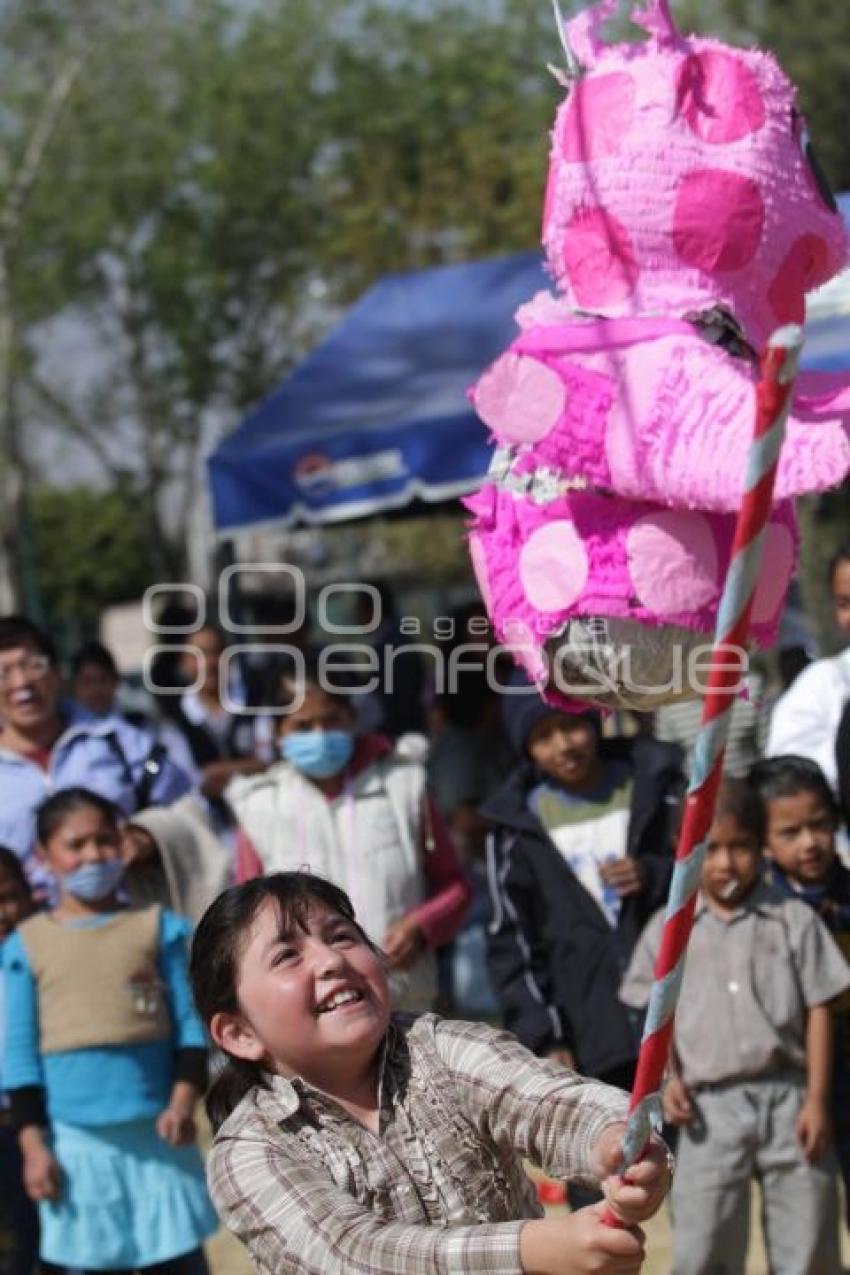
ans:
(748, 984)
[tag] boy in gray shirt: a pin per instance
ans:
(750, 1075)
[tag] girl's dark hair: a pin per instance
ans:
(743, 803)
(841, 555)
(790, 775)
(12, 866)
(214, 962)
(52, 812)
(291, 682)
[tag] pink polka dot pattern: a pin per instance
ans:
(805, 263)
(718, 220)
(520, 398)
(553, 566)
(672, 560)
(719, 97)
(599, 114)
(775, 576)
(598, 258)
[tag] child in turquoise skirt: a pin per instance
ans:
(105, 1058)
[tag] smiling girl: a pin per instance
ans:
(353, 1139)
(104, 1061)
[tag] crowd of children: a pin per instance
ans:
(350, 1136)
(751, 1068)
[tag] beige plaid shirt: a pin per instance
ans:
(440, 1189)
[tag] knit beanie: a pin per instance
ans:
(523, 707)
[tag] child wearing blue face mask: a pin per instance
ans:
(104, 1061)
(355, 809)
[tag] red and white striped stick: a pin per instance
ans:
(728, 662)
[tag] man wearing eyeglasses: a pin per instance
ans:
(46, 745)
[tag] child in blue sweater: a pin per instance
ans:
(104, 1061)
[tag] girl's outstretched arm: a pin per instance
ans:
(294, 1220)
(565, 1124)
(535, 1107)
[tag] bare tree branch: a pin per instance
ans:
(73, 423)
(43, 129)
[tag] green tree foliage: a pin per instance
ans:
(226, 177)
(178, 222)
(223, 177)
(88, 554)
(440, 119)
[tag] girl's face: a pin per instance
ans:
(801, 836)
(84, 836)
(313, 1002)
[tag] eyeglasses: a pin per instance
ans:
(30, 666)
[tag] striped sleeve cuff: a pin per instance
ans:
(488, 1250)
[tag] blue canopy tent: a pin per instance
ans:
(377, 418)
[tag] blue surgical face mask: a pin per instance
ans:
(94, 881)
(319, 754)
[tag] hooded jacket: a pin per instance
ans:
(555, 961)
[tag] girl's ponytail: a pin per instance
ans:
(233, 1078)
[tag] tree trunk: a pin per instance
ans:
(11, 483)
(11, 221)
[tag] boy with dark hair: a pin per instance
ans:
(579, 857)
(752, 1060)
(801, 818)
(95, 679)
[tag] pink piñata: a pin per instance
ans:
(685, 220)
